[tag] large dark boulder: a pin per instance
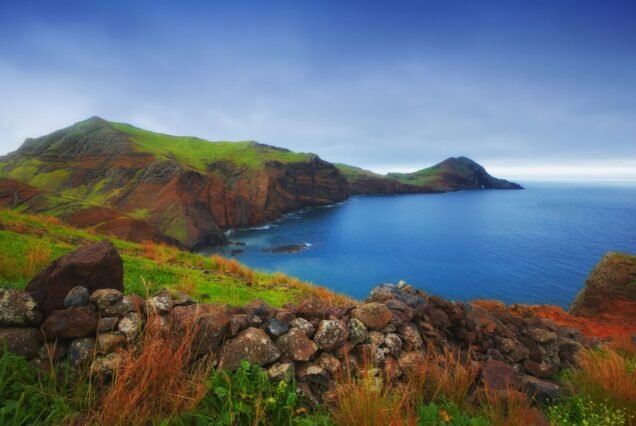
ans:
(95, 266)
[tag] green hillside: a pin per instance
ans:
(200, 153)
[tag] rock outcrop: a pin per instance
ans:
(610, 287)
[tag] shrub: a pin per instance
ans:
(605, 377)
(447, 413)
(31, 397)
(582, 410)
(247, 397)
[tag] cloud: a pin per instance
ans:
(400, 99)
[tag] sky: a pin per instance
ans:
(530, 89)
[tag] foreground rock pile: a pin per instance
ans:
(391, 332)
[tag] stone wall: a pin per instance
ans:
(392, 330)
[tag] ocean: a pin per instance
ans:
(531, 246)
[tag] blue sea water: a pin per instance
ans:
(531, 246)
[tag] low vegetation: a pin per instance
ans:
(30, 242)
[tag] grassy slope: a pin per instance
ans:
(28, 243)
(353, 172)
(199, 153)
(426, 176)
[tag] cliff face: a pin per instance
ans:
(100, 174)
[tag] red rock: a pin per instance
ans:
(374, 315)
(70, 323)
(499, 375)
(212, 324)
(296, 345)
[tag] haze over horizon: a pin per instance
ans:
(528, 89)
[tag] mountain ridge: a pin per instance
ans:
(183, 190)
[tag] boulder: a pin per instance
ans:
(25, 342)
(330, 363)
(95, 266)
(109, 342)
(541, 335)
(160, 303)
(411, 336)
(104, 297)
(410, 363)
(374, 315)
(393, 344)
(103, 366)
(281, 371)
(212, 323)
(542, 391)
(252, 345)
(130, 325)
(107, 324)
(259, 308)
(76, 297)
(119, 309)
(330, 334)
(276, 328)
(358, 332)
(296, 345)
(304, 326)
(310, 372)
(499, 375)
(17, 307)
(81, 350)
(70, 323)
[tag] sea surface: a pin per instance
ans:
(531, 246)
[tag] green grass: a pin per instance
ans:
(353, 172)
(142, 273)
(200, 153)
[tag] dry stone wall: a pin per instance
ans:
(311, 342)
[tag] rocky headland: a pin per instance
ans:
(138, 185)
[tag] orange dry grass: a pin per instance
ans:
(34, 260)
(233, 268)
(37, 258)
(509, 407)
(606, 376)
(159, 252)
(49, 220)
(445, 375)
(361, 402)
(187, 285)
(324, 294)
(156, 382)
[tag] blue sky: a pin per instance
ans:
(528, 88)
